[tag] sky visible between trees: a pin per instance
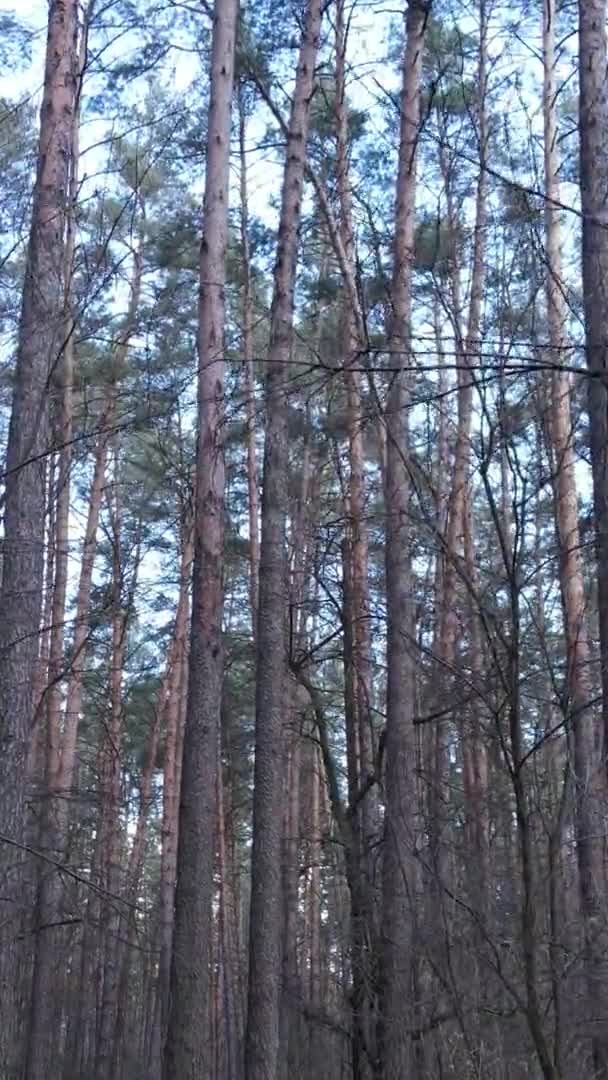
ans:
(304, 546)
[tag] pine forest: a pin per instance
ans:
(304, 540)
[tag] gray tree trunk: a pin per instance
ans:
(265, 941)
(593, 125)
(187, 1046)
(399, 870)
(41, 339)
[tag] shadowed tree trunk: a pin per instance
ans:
(401, 820)
(78, 1046)
(109, 835)
(265, 938)
(356, 608)
(589, 739)
(39, 348)
(187, 1046)
(51, 944)
(171, 783)
(467, 348)
(247, 346)
(593, 126)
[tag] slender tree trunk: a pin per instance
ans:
(314, 901)
(356, 493)
(593, 127)
(111, 776)
(128, 934)
(262, 1037)
(523, 815)
(40, 343)
(589, 740)
(171, 782)
(80, 1042)
(399, 872)
(466, 351)
(247, 346)
(476, 790)
(36, 761)
(186, 1050)
(357, 608)
(74, 691)
(51, 944)
(231, 997)
(290, 1004)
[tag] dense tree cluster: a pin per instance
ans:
(304, 578)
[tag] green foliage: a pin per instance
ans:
(432, 250)
(15, 41)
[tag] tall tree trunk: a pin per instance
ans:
(593, 127)
(79, 1044)
(359, 714)
(356, 492)
(262, 1037)
(40, 343)
(111, 776)
(107, 419)
(36, 761)
(247, 346)
(290, 1003)
(362, 976)
(228, 938)
(51, 942)
(171, 782)
(129, 929)
(524, 822)
(589, 739)
(399, 872)
(466, 351)
(474, 747)
(186, 1050)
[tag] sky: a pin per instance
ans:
(366, 53)
(264, 166)
(366, 59)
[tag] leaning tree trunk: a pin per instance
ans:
(262, 1036)
(186, 1050)
(41, 334)
(399, 874)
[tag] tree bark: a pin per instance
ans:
(593, 125)
(355, 562)
(171, 783)
(40, 343)
(228, 939)
(74, 691)
(247, 346)
(401, 817)
(262, 1036)
(128, 934)
(466, 351)
(186, 1050)
(589, 740)
(50, 945)
(110, 781)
